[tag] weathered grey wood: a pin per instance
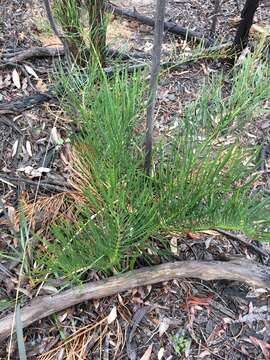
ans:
(155, 68)
(236, 269)
(34, 52)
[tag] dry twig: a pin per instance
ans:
(245, 242)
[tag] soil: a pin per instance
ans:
(187, 319)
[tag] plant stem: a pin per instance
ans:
(215, 17)
(158, 37)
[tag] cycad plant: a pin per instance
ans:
(197, 183)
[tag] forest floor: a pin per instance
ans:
(187, 319)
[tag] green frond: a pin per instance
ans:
(198, 183)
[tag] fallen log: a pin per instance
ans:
(169, 26)
(27, 102)
(33, 52)
(237, 269)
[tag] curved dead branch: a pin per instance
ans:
(236, 269)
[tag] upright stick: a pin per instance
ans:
(54, 27)
(158, 37)
(215, 18)
(247, 16)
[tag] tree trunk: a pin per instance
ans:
(97, 28)
(71, 19)
(247, 16)
(69, 15)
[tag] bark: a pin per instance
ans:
(247, 17)
(33, 53)
(54, 27)
(215, 17)
(24, 103)
(70, 16)
(71, 22)
(236, 269)
(156, 55)
(97, 28)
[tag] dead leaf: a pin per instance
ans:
(120, 299)
(24, 84)
(21, 36)
(41, 86)
(208, 242)
(55, 137)
(49, 290)
(7, 81)
(16, 79)
(210, 232)
(194, 236)
(112, 316)
(197, 300)
(161, 353)
(243, 56)
(163, 326)
(26, 169)
(31, 71)
(147, 354)
(263, 345)
(11, 214)
(96, 304)
(39, 171)
(62, 317)
(15, 148)
(254, 293)
(29, 170)
(173, 245)
(28, 148)
(204, 354)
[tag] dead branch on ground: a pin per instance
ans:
(241, 239)
(34, 52)
(236, 269)
(24, 103)
(169, 26)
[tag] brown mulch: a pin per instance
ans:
(214, 320)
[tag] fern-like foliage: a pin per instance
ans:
(197, 182)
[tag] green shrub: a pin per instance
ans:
(197, 183)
